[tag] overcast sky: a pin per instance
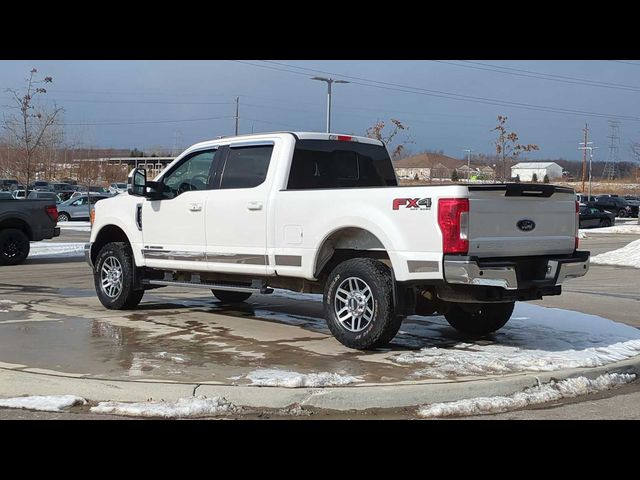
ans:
(447, 105)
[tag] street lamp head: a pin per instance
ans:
(322, 79)
(340, 81)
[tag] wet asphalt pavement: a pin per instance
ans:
(50, 319)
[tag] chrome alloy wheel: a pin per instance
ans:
(111, 277)
(353, 304)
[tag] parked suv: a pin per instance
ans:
(116, 188)
(8, 184)
(617, 205)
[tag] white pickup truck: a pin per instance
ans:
(323, 213)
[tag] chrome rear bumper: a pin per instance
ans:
(510, 274)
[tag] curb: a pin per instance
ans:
(17, 382)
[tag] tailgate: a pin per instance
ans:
(521, 219)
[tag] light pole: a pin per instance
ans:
(329, 81)
(468, 163)
(591, 149)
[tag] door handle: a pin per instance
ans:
(254, 206)
(195, 207)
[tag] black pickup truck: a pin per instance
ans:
(24, 221)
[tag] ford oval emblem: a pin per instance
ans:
(526, 225)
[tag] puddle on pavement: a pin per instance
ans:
(196, 339)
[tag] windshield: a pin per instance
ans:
(121, 185)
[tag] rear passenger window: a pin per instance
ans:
(246, 167)
(339, 164)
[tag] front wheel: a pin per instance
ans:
(622, 213)
(605, 222)
(63, 217)
(358, 304)
(14, 246)
(479, 319)
(231, 297)
(113, 277)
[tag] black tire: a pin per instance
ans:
(231, 297)
(14, 246)
(622, 213)
(605, 222)
(383, 323)
(64, 217)
(481, 319)
(127, 298)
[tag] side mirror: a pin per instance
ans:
(137, 182)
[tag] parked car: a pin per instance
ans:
(116, 188)
(617, 205)
(24, 222)
(583, 198)
(6, 195)
(20, 194)
(41, 186)
(8, 184)
(78, 208)
(39, 195)
(595, 217)
(323, 213)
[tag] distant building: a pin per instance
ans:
(427, 166)
(526, 170)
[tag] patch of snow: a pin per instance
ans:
(627, 228)
(4, 311)
(170, 356)
(44, 403)
(267, 377)
(628, 256)
(552, 391)
(582, 234)
(75, 226)
(182, 408)
(314, 297)
(56, 249)
(535, 339)
(7, 301)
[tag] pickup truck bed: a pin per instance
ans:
(24, 221)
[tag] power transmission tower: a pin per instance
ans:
(584, 155)
(611, 170)
(237, 114)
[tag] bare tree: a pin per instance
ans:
(377, 131)
(508, 146)
(30, 128)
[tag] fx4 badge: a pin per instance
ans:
(412, 203)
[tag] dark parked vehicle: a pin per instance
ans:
(38, 195)
(6, 196)
(41, 186)
(8, 184)
(595, 217)
(617, 205)
(24, 222)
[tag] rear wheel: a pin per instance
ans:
(14, 246)
(605, 222)
(63, 217)
(358, 304)
(231, 297)
(113, 277)
(622, 213)
(479, 319)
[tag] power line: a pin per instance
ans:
(447, 95)
(142, 122)
(540, 75)
(628, 63)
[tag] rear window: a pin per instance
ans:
(338, 164)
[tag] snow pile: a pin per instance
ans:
(582, 234)
(44, 403)
(535, 339)
(56, 249)
(628, 256)
(182, 408)
(552, 391)
(628, 228)
(75, 226)
(281, 378)
(5, 302)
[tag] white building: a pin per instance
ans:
(526, 170)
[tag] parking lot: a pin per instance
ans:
(52, 326)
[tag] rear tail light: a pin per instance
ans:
(453, 219)
(577, 224)
(52, 211)
(343, 138)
